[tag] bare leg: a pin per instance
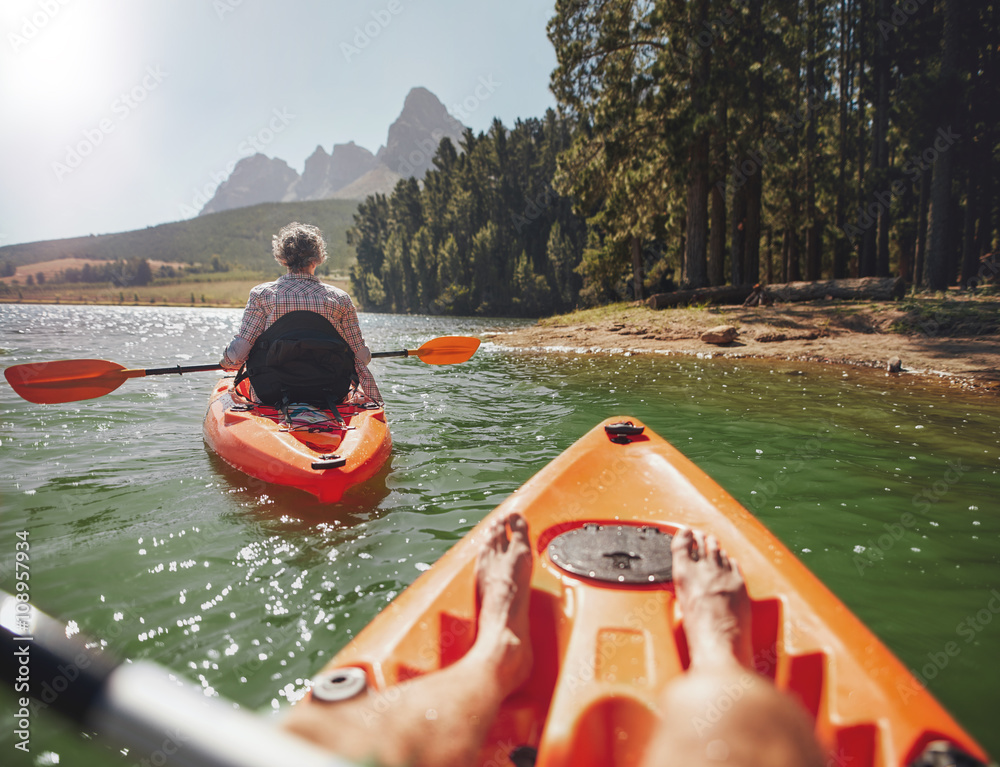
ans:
(721, 712)
(443, 718)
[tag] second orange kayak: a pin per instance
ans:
(315, 453)
(605, 634)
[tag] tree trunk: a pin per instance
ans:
(970, 253)
(769, 271)
(717, 224)
(852, 289)
(862, 158)
(987, 202)
(721, 294)
(793, 269)
(695, 271)
(855, 289)
(637, 278)
(786, 246)
(755, 184)
(752, 244)
(939, 271)
(869, 245)
(880, 150)
(717, 238)
(813, 256)
(737, 236)
(907, 237)
(841, 246)
(921, 249)
(984, 230)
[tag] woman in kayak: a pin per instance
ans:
(300, 249)
(719, 712)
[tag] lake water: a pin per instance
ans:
(142, 538)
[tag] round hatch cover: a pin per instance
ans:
(614, 553)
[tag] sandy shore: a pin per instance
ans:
(955, 341)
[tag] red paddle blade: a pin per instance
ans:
(447, 350)
(47, 383)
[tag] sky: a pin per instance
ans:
(117, 115)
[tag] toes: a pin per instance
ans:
(698, 547)
(715, 553)
(684, 546)
(681, 544)
(735, 567)
(494, 543)
(518, 525)
(496, 536)
(711, 548)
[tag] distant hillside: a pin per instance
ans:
(240, 238)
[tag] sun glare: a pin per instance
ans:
(60, 59)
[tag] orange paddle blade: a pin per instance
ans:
(446, 350)
(47, 383)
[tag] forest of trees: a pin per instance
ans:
(484, 233)
(121, 273)
(125, 273)
(711, 141)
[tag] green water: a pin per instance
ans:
(143, 539)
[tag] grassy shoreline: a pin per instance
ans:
(954, 338)
(220, 292)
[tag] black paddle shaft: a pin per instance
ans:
(178, 369)
(40, 661)
(139, 705)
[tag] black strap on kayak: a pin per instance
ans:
(332, 404)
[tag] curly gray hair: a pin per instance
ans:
(299, 246)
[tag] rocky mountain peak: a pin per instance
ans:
(351, 171)
(254, 180)
(415, 135)
(349, 162)
(311, 185)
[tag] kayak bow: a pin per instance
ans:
(605, 635)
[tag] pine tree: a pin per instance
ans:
(939, 268)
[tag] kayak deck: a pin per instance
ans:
(604, 648)
(316, 453)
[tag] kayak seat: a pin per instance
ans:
(300, 358)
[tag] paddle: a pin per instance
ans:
(446, 350)
(49, 383)
(46, 383)
(139, 705)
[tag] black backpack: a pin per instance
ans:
(300, 358)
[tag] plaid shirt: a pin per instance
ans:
(293, 292)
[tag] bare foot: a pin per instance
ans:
(503, 588)
(713, 600)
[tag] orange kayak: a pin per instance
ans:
(605, 634)
(317, 453)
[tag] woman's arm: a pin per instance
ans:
(251, 326)
(350, 330)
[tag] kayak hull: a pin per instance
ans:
(260, 446)
(604, 651)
